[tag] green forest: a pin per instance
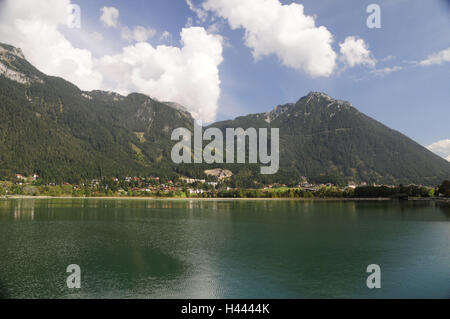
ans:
(51, 128)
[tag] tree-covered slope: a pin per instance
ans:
(325, 139)
(50, 127)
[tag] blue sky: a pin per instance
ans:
(414, 98)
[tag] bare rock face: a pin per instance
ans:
(10, 57)
(219, 173)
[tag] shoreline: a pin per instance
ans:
(380, 199)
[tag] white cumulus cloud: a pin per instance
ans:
(437, 58)
(441, 148)
(33, 26)
(188, 74)
(109, 17)
(284, 30)
(355, 51)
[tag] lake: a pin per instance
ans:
(133, 248)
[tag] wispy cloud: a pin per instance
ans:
(202, 15)
(138, 34)
(110, 17)
(388, 58)
(165, 36)
(437, 58)
(387, 70)
(441, 148)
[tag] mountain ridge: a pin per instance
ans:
(51, 127)
(323, 119)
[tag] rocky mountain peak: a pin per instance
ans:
(10, 50)
(319, 96)
(11, 65)
(176, 106)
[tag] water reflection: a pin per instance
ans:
(221, 248)
(3, 291)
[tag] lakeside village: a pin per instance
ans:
(218, 185)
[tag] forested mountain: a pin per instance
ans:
(50, 127)
(327, 140)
